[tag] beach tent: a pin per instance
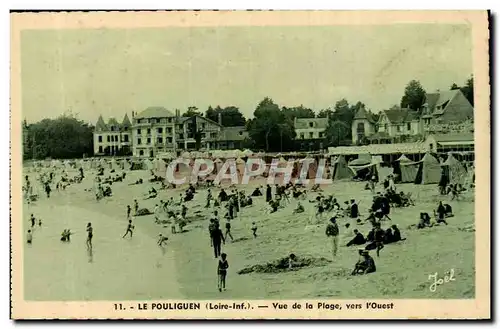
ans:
(340, 170)
(429, 170)
(454, 170)
(362, 160)
(406, 169)
(364, 169)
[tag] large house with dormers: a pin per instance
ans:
(442, 113)
(113, 137)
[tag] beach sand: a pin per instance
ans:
(136, 269)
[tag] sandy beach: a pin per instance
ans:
(135, 269)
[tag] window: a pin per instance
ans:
(181, 136)
(408, 126)
(160, 130)
(311, 134)
(138, 131)
(153, 120)
(148, 141)
(99, 138)
(398, 128)
(149, 131)
(431, 148)
(169, 130)
(311, 124)
(427, 121)
(108, 138)
(116, 138)
(169, 140)
(100, 148)
(125, 138)
(125, 128)
(360, 128)
(169, 120)
(160, 140)
(321, 135)
(302, 135)
(139, 141)
(386, 127)
(203, 135)
(141, 152)
(241, 133)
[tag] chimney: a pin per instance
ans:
(220, 118)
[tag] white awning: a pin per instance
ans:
(456, 143)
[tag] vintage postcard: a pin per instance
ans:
(250, 165)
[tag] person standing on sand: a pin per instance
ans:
(269, 194)
(90, 235)
(161, 240)
(128, 211)
(332, 232)
(33, 220)
(222, 272)
(136, 207)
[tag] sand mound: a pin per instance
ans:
(282, 265)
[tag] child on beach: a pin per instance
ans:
(254, 229)
(161, 240)
(222, 271)
(90, 232)
(228, 230)
(130, 228)
(29, 237)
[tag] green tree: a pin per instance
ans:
(230, 116)
(414, 96)
(325, 113)
(336, 133)
(63, 138)
(270, 129)
(192, 111)
(454, 86)
(468, 90)
(298, 112)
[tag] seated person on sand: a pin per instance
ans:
(396, 235)
(65, 235)
(152, 193)
(223, 195)
(353, 209)
(365, 265)
(299, 209)
(257, 192)
(274, 204)
(425, 220)
(189, 196)
(316, 188)
(137, 182)
(358, 239)
(107, 190)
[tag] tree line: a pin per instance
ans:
(271, 129)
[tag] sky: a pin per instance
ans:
(110, 72)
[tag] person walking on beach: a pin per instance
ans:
(254, 230)
(228, 230)
(161, 240)
(90, 235)
(217, 240)
(222, 272)
(130, 229)
(33, 220)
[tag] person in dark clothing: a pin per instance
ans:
(448, 210)
(33, 220)
(396, 234)
(269, 195)
(379, 238)
(425, 220)
(354, 209)
(358, 239)
(222, 272)
(128, 211)
(47, 190)
(217, 239)
(441, 212)
(256, 192)
(364, 266)
(222, 195)
(388, 236)
(228, 230)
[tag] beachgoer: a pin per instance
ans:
(130, 229)
(29, 237)
(254, 229)
(90, 235)
(332, 232)
(222, 272)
